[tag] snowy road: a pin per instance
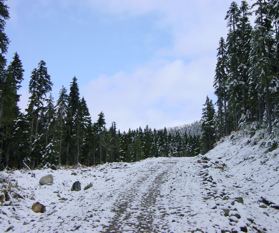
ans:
(136, 206)
(219, 192)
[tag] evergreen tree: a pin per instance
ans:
(10, 103)
(220, 85)
(274, 15)
(20, 143)
(39, 87)
(233, 84)
(50, 151)
(60, 125)
(73, 125)
(100, 130)
(244, 40)
(113, 139)
(85, 132)
(4, 15)
(208, 137)
(262, 60)
(147, 142)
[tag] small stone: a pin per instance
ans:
(76, 186)
(225, 231)
(2, 198)
(263, 206)
(7, 196)
(239, 200)
(225, 198)
(46, 180)
(251, 220)
(237, 215)
(233, 219)
(226, 212)
(88, 186)
(74, 174)
(37, 207)
(244, 229)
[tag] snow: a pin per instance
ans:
(220, 191)
(193, 129)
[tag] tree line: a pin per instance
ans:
(61, 132)
(247, 72)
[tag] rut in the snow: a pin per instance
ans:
(136, 214)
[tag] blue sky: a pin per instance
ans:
(140, 61)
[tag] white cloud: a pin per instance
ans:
(168, 93)
(164, 94)
(195, 26)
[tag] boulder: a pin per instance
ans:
(76, 186)
(46, 180)
(37, 207)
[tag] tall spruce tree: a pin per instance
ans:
(208, 137)
(20, 143)
(4, 15)
(233, 84)
(39, 87)
(244, 29)
(60, 125)
(10, 100)
(50, 152)
(220, 85)
(100, 131)
(85, 133)
(72, 125)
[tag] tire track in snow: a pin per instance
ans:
(136, 205)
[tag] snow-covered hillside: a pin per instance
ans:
(233, 188)
(193, 129)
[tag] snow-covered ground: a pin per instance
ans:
(233, 188)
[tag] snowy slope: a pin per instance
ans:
(221, 191)
(193, 129)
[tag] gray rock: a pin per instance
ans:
(244, 229)
(2, 198)
(46, 180)
(226, 212)
(76, 186)
(239, 200)
(37, 207)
